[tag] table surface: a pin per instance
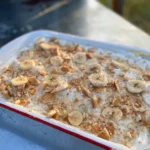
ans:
(87, 18)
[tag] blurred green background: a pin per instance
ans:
(135, 11)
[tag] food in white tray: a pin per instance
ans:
(94, 91)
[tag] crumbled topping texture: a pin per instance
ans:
(81, 87)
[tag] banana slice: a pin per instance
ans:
(119, 65)
(75, 118)
(27, 64)
(38, 42)
(98, 79)
(52, 80)
(56, 61)
(79, 57)
(117, 113)
(46, 46)
(93, 68)
(21, 80)
(114, 113)
(136, 86)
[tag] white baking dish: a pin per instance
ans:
(10, 50)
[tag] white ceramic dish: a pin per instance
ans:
(9, 52)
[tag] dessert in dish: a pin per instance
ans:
(93, 90)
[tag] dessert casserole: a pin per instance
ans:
(93, 90)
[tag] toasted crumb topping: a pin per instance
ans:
(93, 91)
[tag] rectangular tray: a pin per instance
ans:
(23, 133)
(54, 135)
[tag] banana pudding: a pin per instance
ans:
(101, 94)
